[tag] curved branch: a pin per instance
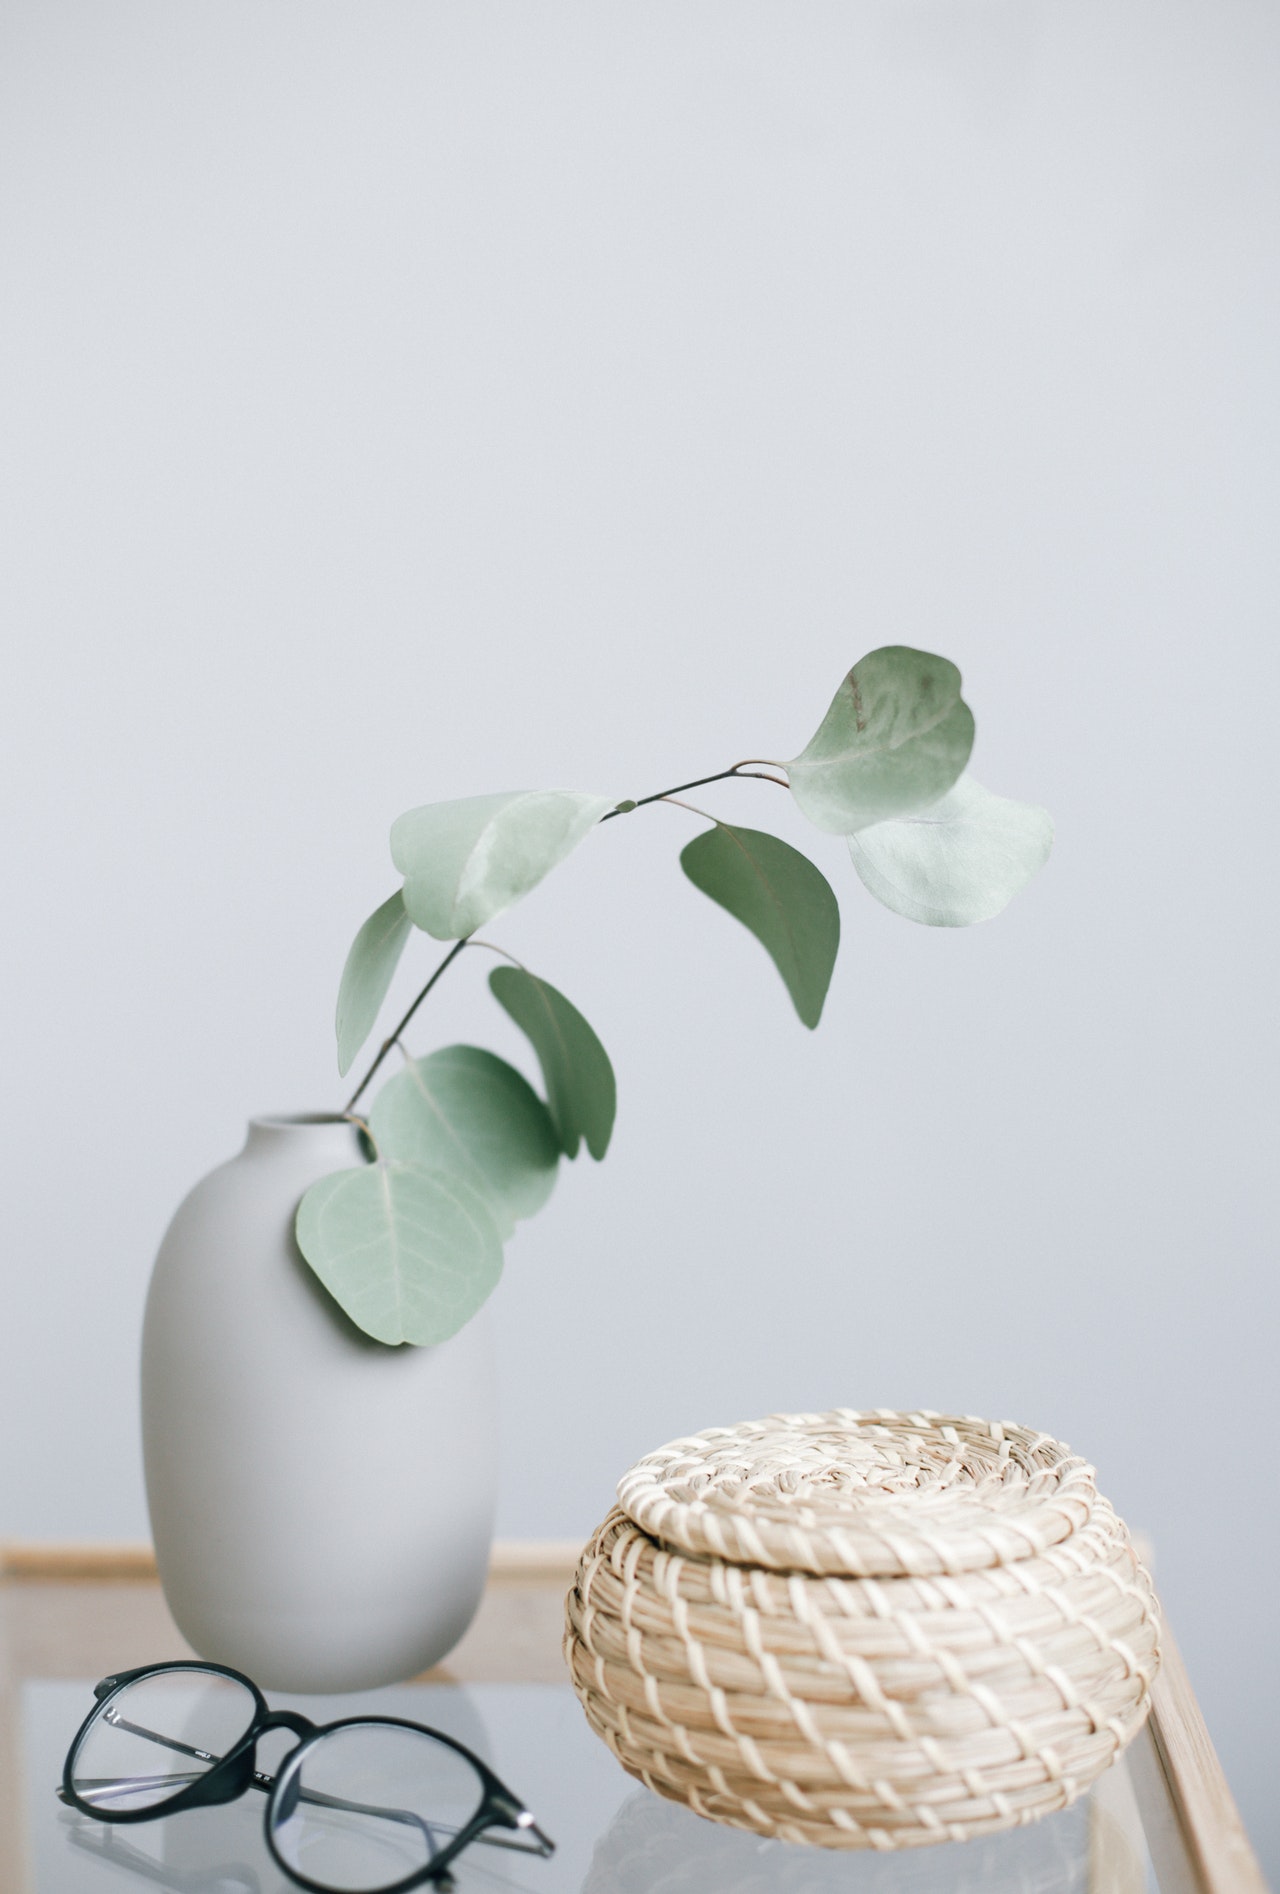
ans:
(387, 1043)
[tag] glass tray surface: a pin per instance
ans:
(612, 1835)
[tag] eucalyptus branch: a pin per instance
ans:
(468, 1147)
(737, 769)
(387, 1043)
(624, 808)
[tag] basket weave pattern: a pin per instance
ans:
(863, 1630)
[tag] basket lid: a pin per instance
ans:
(862, 1495)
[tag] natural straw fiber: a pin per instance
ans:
(863, 1629)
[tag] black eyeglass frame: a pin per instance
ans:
(228, 1778)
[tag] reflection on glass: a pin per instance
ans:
(657, 1847)
(109, 1846)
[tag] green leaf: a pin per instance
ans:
(778, 893)
(410, 1255)
(467, 1112)
(374, 957)
(581, 1090)
(895, 739)
(463, 862)
(959, 862)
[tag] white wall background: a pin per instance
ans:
(417, 400)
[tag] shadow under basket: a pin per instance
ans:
(864, 1630)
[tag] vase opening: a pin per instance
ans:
(287, 1120)
(326, 1137)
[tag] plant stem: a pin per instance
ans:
(678, 803)
(387, 1044)
(661, 795)
(499, 950)
(362, 1126)
(738, 769)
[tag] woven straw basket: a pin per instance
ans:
(863, 1629)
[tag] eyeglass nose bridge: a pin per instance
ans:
(302, 1726)
(237, 1771)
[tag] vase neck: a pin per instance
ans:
(320, 1137)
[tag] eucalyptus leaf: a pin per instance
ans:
(463, 862)
(467, 1112)
(374, 957)
(410, 1255)
(896, 737)
(581, 1090)
(778, 893)
(959, 862)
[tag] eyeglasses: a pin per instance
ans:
(367, 1805)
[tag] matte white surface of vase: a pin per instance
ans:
(322, 1505)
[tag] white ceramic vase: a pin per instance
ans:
(322, 1505)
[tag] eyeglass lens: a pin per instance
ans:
(155, 1737)
(365, 1806)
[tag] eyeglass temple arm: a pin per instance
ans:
(542, 1844)
(98, 1789)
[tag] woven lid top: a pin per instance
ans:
(864, 1495)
